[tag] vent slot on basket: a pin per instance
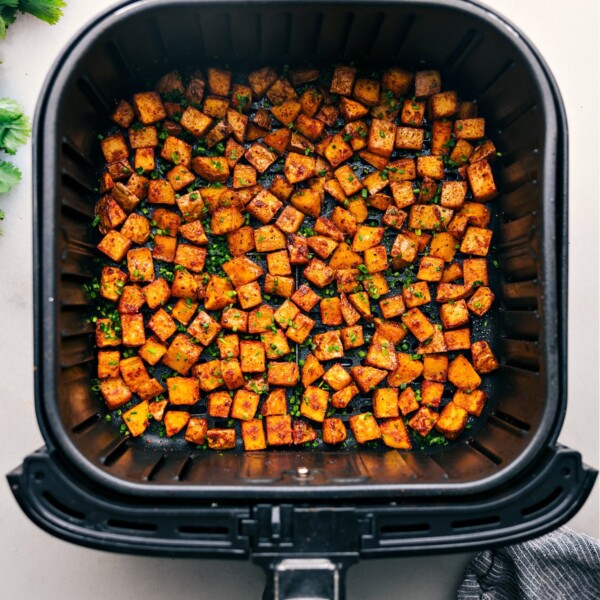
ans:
(478, 523)
(131, 525)
(203, 530)
(404, 528)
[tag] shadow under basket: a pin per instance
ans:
(400, 501)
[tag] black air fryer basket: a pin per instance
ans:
(305, 514)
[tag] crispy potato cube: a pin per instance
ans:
(290, 220)
(416, 294)
(108, 364)
(162, 324)
(132, 330)
(350, 315)
(150, 389)
(367, 378)
(264, 206)
(397, 81)
(462, 374)
(175, 421)
(365, 428)
(196, 431)
(114, 392)
(211, 168)
(402, 193)
(424, 420)
(241, 241)
(279, 430)
(366, 237)
(385, 403)
(443, 105)
(194, 232)
(105, 334)
(275, 344)
(472, 401)
(347, 280)
(392, 330)
(285, 374)
(430, 269)
(133, 372)
(123, 114)
(484, 360)
(360, 301)
(311, 100)
(242, 270)
(260, 157)
(427, 83)
(221, 439)
(409, 138)
(225, 220)
(182, 354)
(268, 238)
(280, 286)
(382, 137)
(392, 307)
(477, 214)
(260, 319)
(112, 282)
(311, 370)
(308, 202)
(461, 153)
(219, 404)
(435, 367)
(275, 403)
(157, 293)
(452, 272)
(229, 346)
(261, 80)
(243, 176)
(164, 248)
(149, 107)
(431, 393)
(367, 91)
(237, 125)
(318, 273)
(136, 228)
(143, 137)
(184, 285)
(334, 431)
(183, 390)
(114, 245)
(457, 339)
(114, 147)
(245, 405)
(343, 80)
(286, 112)
(475, 272)
(404, 251)
(452, 421)
(337, 377)
(348, 180)
(331, 311)
(343, 397)
(407, 401)
(305, 298)
(481, 301)
(328, 345)
(381, 353)
(447, 292)
(352, 337)
(286, 313)
(337, 151)
(309, 128)
(204, 328)
(322, 246)
(209, 375)
(219, 81)
(253, 435)
(249, 295)
(413, 113)
(376, 259)
(136, 419)
(430, 166)
(219, 293)
(152, 351)
(469, 129)
(190, 257)
(157, 408)
(160, 191)
(476, 241)
(314, 403)
(485, 150)
(195, 121)
(110, 213)
(176, 151)
(418, 324)
(395, 435)
(481, 180)
(429, 217)
(281, 91)
(441, 138)
(406, 371)
(443, 247)
(252, 356)
(453, 194)
(403, 169)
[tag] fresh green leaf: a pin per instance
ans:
(46, 10)
(9, 177)
(14, 125)
(8, 14)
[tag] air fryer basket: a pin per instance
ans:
(482, 58)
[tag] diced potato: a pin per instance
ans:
(334, 431)
(285, 374)
(183, 390)
(350, 315)
(452, 421)
(211, 168)
(429, 217)
(430, 269)
(360, 301)
(481, 180)
(132, 299)
(337, 151)
(477, 214)
(279, 430)
(209, 375)
(443, 247)
(447, 292)
(348, 280)
(152, 351)
(318, 273)
(162, 324)
(427, 83)
(260, 319)
(343, 397)
(413, 113)
(462, 374)
(430, 166)
(395, 435)
(260, 157)
(108, 364)
(348, 180)
(314, 403)
(280, 286)
(328, 345)
(253, 435)
(221, 439)
(234, 319)
(385, 403)
(114, 245)
(452, 272)
(204, 328)
(367, 378)
(307, 201)
(290, 220)
(252, 356)
(331, 311)
(407, 401)
(245, 405)
(264, 206)
(431, 393)
(382, 136)
(418, 324)
(476, 241)
(219, 404)
(484, 360)
(342, 82)
(409, 138)
(408, 370)
(114, 392)
(424, 421)
(275, 403)
(441, 138)
(481, 301)
(472, 401)
(175, 421)
(337, 377)
(298, 249)
(454, 314)
(392, 307)
(376, 259)
(133, 372)
(367, 237)
(458, 339)
(132, 330)
(322, 246)
(365, 428)
(404, 251)
(242, 270)
(469, 129)
(381, 354)
(275, 344)
(196, 431)
(392, 330)
(261, 80)
(123, 114)
(475, 272)
(157, 409)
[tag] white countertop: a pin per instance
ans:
(36, 565)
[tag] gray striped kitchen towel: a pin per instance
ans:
(557, 566)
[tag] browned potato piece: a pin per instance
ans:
(424, 420)
(365, 428)
(253, 435)
(279, 430)
(334, 431)
(314, 403)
